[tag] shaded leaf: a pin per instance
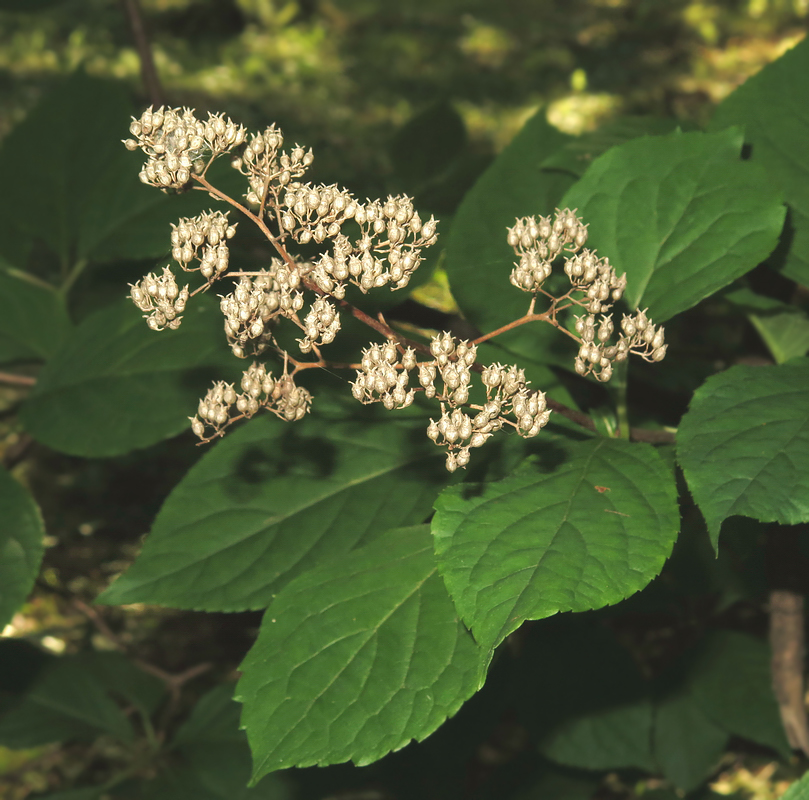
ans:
(744, 445)
(478, 258)
(117, 386)
(786, 334)
(771, 106)
(21, 548)
(586, 701)
(687, 743)
(123, 679)
(66, 703)
(731, 682)
(217, 752)
(357, 658)
(784, 328)
(572, 536)
(83, 181)
(425, 146)
(272, 500)
(682, 215)
(20, 337)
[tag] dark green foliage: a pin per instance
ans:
(526, 595)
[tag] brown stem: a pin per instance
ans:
(148, 70)
(12, 379)
(787, 644)
(545, 316)
(174, 682)
(786, 568)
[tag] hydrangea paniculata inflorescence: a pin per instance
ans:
(310, 293)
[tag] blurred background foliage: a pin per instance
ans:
(344, 77)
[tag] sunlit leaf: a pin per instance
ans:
(568, 536)
(682, 215)
(771, 106)
(744, 445)
(356, 659)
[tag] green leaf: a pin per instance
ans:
(569, 536)
(55, 177)
(20, 338)
(478, 258)
(272, 500)
(798, 790)
(217, 752)
(585, 700)
(771, 106)
(732, 683)
(357, 658)
(21, 548)
(425, 146)
(578, 153)
(83, 181)
(116, 385)
(91, 793)
(688, 745)
(681, 215)
(744, 445)
(213, 720)
(66, 703)
(119, 676)
(784, 328)
(786, 334)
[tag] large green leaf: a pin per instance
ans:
(687, 743)
(21, 532)
(425, 146)
(584, 699)
(272, 500)
(579, 153)
(744, 445)
(66, 703)
(76, 187)
(571, 536)
(34, 322)
(731, 682)
(681, 215)
(772, 107)
(116, 385)
(357, 658)
(217, 753)
(478, 258)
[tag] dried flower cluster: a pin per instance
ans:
(177, 144)
(538, 242)
(259, 390)
(209, 231)
(180, 148)
(161, 299)
(384, 377)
